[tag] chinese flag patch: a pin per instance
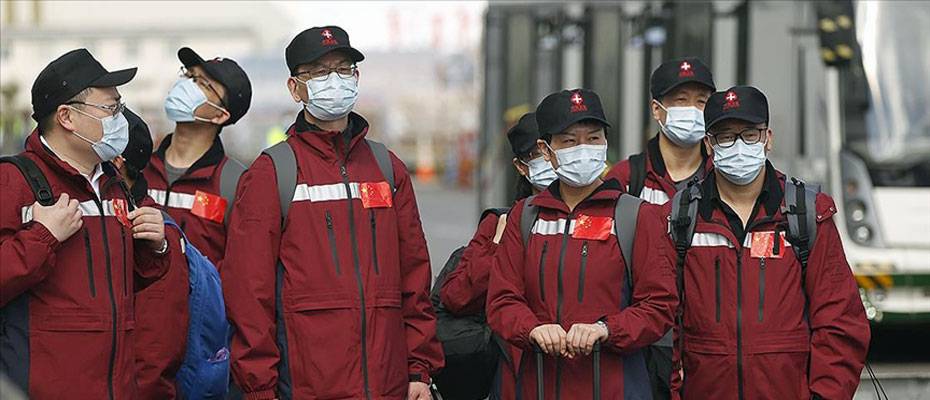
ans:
(209, 206)
(592, 228)
(763, 245)
(121, 211)
(376, 195)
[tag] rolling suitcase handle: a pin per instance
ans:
(595, 355)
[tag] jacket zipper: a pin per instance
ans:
(90, 264)
(559, 298)
(374, 241)
(717, 278)
(358, 278)
(122, 234)
(109, 275)
(584, 265)
(542, 272)
(761, 286)
(331, 234)
(739, 320)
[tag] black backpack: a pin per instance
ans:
(472, 351)
(637, 174)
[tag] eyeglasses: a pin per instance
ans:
(748, 136)
(320, 73)
(202, 81)
(110, 109)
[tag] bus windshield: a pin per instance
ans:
(896, 62)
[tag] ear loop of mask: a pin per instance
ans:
(82, 137)
(207, 120)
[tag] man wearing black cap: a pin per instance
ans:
(771, 309)
(327, 274)
(674, 156)
(559, 281)
(190, 175)
(66, 280)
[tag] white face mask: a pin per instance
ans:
(331, 98)
(580, 165)
(740, 163)
(183, 99)
(115, 136)
(541, 174)
(684, 126)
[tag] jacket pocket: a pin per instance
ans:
(542, 271)
(88, 251)
(761, 287)
(374, 240)
(581, 272)
(717, 288)
(331, 234)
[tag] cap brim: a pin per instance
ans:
(354, 54)
(189, 57)
(115, 78)
(564, 126)
(709, 85)
(754, 119)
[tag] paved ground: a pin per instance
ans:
(450, 217)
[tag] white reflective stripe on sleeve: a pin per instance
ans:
(27, 214)
(654, 196)
(702, 239)
(557, 227)
(88, 209)
(318, 193)
(176, 200)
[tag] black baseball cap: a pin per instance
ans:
(738, 102)
(67, 76)
(313, 43)
(673, 73)
(523, 135)
(560, 110)
(139, 148)
(228, 73)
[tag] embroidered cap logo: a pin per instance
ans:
(732, 101)
(685, 70)
(328, 39)
(578, 103)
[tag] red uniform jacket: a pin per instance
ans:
(659, 186)
(161, 326)
(745, 331)
(68, 306)
(465, 290)
(335, 304)
(180, 199)
(566, 275)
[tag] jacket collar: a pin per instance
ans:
(658, 163)
(770, 197)
(207, 162)
(330, 145)
(66, 171)
(552, 197)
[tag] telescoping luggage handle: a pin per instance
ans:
(596, 363)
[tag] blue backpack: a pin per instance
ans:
(204, 373)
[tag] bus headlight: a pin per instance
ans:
(863, 234)
(856, 210)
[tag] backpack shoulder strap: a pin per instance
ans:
(800, 208)
(684, 217)
(626, 216)
(383, 157)
(229, 178)
(34, 177)
(285, 167)
(637, 174)
(527, 218)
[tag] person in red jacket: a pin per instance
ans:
(465, 290)
(334, 303)
(673, 157)
(159, 345)
(68, 270)
(756, 325)
(190, 175)
(561, 288)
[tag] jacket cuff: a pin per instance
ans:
(419, 377)
(261, 395)
(45, 236)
